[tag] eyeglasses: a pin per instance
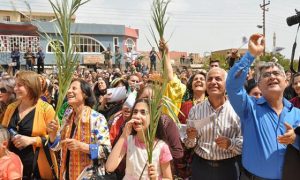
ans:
(3, 90)
(143, 112)
(268, 74)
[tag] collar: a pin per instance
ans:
(286, 103)
(220, 108)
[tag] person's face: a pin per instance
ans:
(288, 76)
(296, 85)
(90, 77)
(132, 81)
(198, 83)
(271, 81)
(101, 84)
(255, 92)
(126, 111)
(4, 94)
(3, 147)
(215, 82)
(140, 114)
(20, 90)
(214, 64)
(75, 95)
(183, 81)
(147, 93)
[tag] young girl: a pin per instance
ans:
(131, 143)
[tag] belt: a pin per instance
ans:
(217, 163)
(252, 176)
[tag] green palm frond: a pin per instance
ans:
(157, 102)
(66, 60)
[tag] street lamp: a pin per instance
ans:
(259, 26)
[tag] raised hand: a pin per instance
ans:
(128, 128)
(256, 45)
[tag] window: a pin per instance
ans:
(83, 44)
(130, 43)
(8, 43)
(55, 43)
(116, 42)
(6, 18)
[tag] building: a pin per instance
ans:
(25, 16)
(91, 39)
(226, 52)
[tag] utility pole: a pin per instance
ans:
(263, 7)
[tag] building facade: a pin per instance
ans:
(90, 39)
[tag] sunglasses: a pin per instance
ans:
(3, 90)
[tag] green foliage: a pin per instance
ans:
(281, 60)
(67, 60)
(220, 57)
(158, 100)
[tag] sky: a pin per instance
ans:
(197, 26)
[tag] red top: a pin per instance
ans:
(184, 111)
(296, 102)
(115, 128)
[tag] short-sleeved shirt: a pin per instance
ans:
(136, 157)
(10, 167)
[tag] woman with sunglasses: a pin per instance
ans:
(27, 119)
(7, 94)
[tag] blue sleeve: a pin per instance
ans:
(94, 151)
(55, 143)
(235, 83)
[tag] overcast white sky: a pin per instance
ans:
(197, 25)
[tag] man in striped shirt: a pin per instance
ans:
(218, 141)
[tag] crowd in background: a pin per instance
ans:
(247, 122)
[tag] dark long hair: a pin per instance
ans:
(87, 90)
(189, 94)
(98, 92)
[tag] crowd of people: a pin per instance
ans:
(235, 124)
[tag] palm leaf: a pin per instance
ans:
(66, 60)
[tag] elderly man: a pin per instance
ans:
(218, 141)
(267, 122)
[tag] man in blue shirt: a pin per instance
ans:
(267, 122)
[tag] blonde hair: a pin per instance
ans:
(32, 82)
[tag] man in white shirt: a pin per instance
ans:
(217, 143)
